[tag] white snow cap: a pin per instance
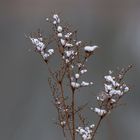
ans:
(115, 92)
(50, 51)
(59, 29)
(56, 19)
(108, 87)
(45, 55)
(69, 45)
(38, 44)
(83, 71)
(55, 16)
(47, 19)
(86, 132)
(90, 48)
(68, 35)
(63, 123)
(78, 43)
(59, 35)
(126, 89)
(92, 126)
(63, 42)
(77, 75)
(54, 22)
(84, 83)
(109, 78)
(69, 53)
(75, 85)
(100, 112)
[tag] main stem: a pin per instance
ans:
(72, 105)
(66, 113)
(73, 115)
(96, 127)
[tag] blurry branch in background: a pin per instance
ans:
(65, 80)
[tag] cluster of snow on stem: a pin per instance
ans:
(75, 84)
(114, 89)
(86, 83)
(90, 48)
(100, 112)
(56, 19)
(68, 35)
(63, 123)
(85, 132)
(82, 84)
(83, 71)
(40, 47)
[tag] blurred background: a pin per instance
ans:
(26, 111)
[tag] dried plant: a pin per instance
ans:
(71, 56)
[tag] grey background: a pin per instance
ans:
(26, 112)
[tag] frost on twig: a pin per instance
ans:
(67, 79)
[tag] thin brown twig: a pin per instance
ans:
(96, 127)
